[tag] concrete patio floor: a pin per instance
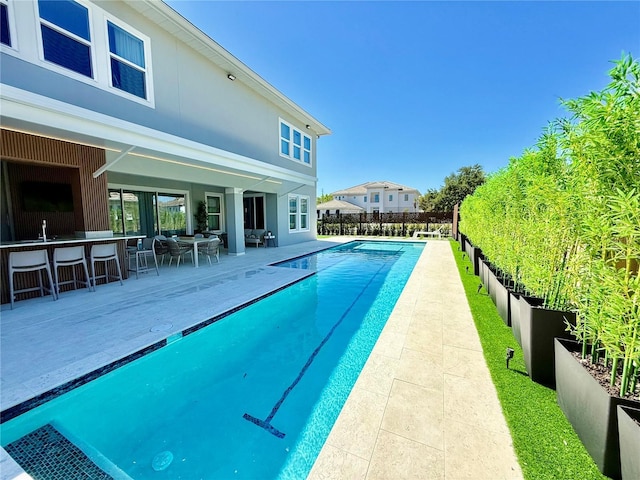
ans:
(423, 407)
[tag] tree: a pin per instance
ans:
(456, 187)
(325, 197)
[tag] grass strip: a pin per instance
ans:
(544, 441)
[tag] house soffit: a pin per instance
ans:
(138, 150)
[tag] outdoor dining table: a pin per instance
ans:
(193, 241)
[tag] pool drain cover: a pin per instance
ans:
(162, 460)
(162, 327)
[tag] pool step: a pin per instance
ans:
(47, 454)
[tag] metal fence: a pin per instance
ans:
(386, 224)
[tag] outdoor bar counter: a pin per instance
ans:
(30, 279)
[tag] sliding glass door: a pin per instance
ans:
(134, 212)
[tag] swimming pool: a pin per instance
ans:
(253, 395)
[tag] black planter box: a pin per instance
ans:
(484, 274)
(503, 301)
(514, 315)
(474, 254)
(629, 440)
(538, 327)
(492, 281)
(589, 408)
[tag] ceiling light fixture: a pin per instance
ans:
(231, 76)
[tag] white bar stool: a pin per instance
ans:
(31, 261)
(70, 257)
(104, 253)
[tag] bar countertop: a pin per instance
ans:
(66, 241)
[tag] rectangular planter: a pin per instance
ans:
(629, 440)
(538, 327)
(484, 274)
(589, 408)
(474, 254)
(514, 309)
(503, 301)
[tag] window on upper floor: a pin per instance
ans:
(294, 144)
(128, 69)
(375, 197)
(5, 27)
(391, 198)
(66, 35)
(365, 199)
(406, 197)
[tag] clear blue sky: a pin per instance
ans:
(415, 90)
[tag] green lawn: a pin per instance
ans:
(546, 445)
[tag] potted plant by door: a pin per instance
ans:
(201, 217)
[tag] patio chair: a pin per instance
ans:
(178, 250)
(210, 249)
(198, 235)
(160, 247)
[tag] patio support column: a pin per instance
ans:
(235, 220)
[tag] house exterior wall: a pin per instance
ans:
(191, 97)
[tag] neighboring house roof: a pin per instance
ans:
(362, 188)
(343, 206)
(178, 26)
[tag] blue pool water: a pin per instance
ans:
(253, 395)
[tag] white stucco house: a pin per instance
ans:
(334, 206)
(381, 197)
(131, 110)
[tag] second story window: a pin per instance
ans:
(375, 197)
(391, 198)
(66, 37)
(128, 71)
(294, 144)
(406, 197)
(5, 32)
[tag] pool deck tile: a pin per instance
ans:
(423, 407)
(442, 418)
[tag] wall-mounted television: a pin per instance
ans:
(46, 197)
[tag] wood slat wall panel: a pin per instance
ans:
(90, 194)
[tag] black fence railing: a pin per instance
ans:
(386, 224)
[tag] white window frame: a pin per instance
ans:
(303, 135)
(91, 43)
(146, 41)
(406, 197)
(298, 213)
(375, 197)
(28, 21)
(156, 191)
(13, 37)
(391, 197)
(221, 214)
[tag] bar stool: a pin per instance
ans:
(141, 257)
(104, 253)
(31, 261)
(70, 257)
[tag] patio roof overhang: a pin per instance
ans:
(139, 150)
